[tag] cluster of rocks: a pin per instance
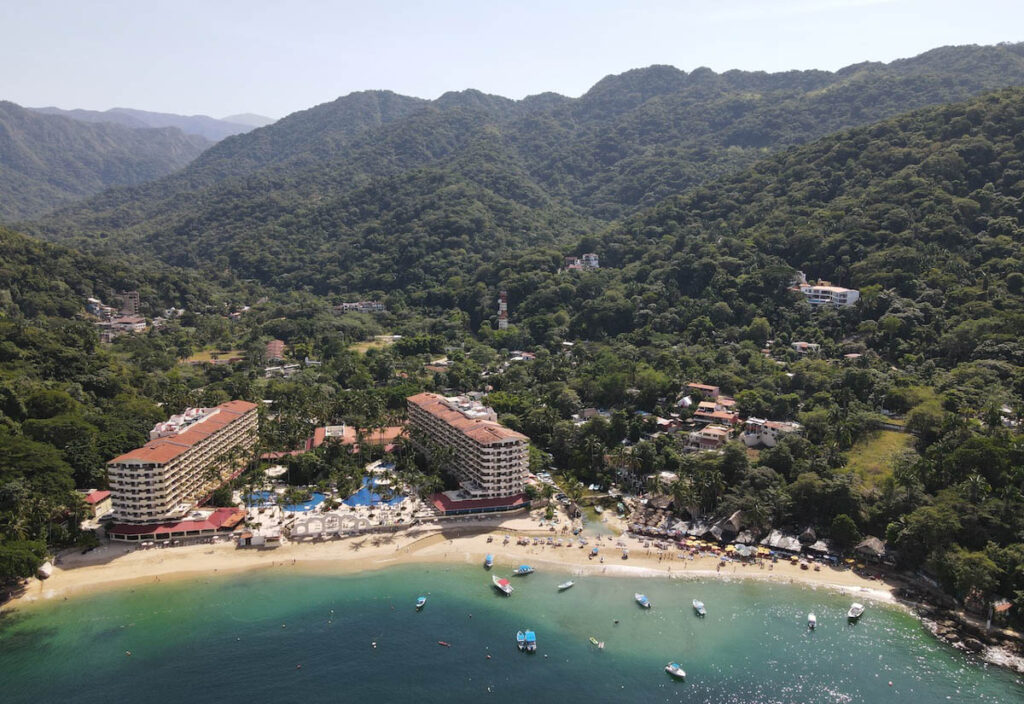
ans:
(992, 647)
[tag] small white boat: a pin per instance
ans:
(421, 602)
(812, 621)
(566, 585)
(642, 600)
(599, 644)
(855, 612)
(598, 509)
(698, 606)
(502, 584)
(521, 640)
(676, 670)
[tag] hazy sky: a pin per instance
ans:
(219, 57)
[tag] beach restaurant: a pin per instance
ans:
(222, 519)
(455, 503)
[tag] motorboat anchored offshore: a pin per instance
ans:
(489, 561)
(676, 670)
(812, 621)
(698, 607)
(566, 585)
(855, 612)
(421, 602)
(524, 570)
(503, 585)
(642, 600)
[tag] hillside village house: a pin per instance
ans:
(758, 431)
(823, 293)
(711, 437)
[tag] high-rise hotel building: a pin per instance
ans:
(187, 457)
(490, 460)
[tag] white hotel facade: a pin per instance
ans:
(490, 460)
(186, 457)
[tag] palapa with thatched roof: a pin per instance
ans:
(871, 548)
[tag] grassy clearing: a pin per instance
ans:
(871, 457)
(379, 342)
(211, 355)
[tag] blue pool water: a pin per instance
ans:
(261, 499)
(367, 497)
(317, 499)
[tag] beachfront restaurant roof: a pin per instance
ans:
(221, 519)
(777, 540)
(871, 547)
(449, 505)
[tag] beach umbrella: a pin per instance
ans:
(730, 548)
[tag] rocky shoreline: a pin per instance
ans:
(994, 646)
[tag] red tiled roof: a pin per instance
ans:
(482, 431)
(163, 450)
(443, 503)
(94, 497)
(222, 517)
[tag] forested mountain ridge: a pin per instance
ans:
(203, 126)
(48, 161)
(922, 213)
(541, 169)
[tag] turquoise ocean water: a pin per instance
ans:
(222, 640)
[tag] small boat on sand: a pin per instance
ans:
(598, 643)
(421, 602)
(502, 584)
(598, 509)
(566, 585)
(812, 621)
(698, 607)
(523, 570)
(489, 561)
(521, 640)
(676, 670)
(642, 600)
(855, 612)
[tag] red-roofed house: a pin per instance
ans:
(708, 391)
(98, 502)
(274, 351)
(186, 459)
(490, 460)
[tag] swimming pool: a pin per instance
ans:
(317, 499)
(366, 497)
(261, 499)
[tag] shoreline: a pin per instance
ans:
(114, 566)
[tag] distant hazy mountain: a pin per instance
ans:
(209, 127)
(375, 191)
(251, 119)
(48, 161)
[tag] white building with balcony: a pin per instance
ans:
(490, 460)
(824, 294)
(187, 457)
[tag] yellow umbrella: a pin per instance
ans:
(849, 561)
(730, 548)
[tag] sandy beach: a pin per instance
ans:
(116, 565)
